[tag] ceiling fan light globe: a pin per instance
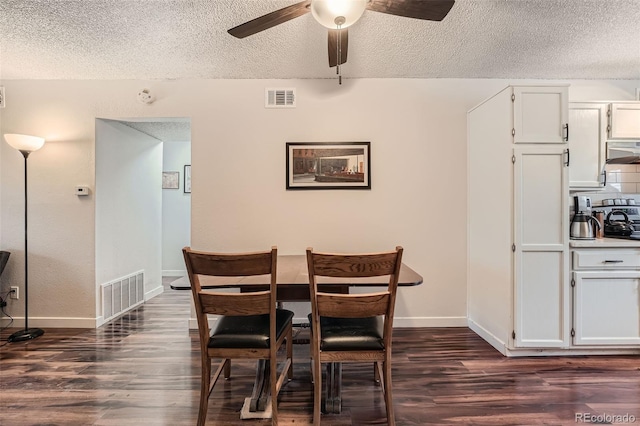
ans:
(329, 12)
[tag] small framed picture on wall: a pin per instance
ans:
(187, 179)
(170, 180)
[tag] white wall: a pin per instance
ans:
(128, 206)
(176, 210)
(417, 130)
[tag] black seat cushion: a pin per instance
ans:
(349, 334)
(248, 331)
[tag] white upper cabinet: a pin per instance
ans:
(587, 144)
(624, 120)
(540, 114)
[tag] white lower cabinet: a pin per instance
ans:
(606, 308)
(606, 297)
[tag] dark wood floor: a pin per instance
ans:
(143, 369)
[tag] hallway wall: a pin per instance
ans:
(176, 210)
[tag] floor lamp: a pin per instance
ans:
(26, 145)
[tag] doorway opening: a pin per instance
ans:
(142, 221)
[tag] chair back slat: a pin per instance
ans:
(231, 265)
(256, 303)
(351, 266)
(353, 305)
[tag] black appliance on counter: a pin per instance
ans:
(621, 221)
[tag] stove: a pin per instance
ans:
(634, 216)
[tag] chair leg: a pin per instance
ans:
(317, 390)
(273, 381)
(227, 369)
(376, 372)
(290, 352)
(205, 378)
(388, 396)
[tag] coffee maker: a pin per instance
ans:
(583, 225)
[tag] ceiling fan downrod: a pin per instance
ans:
(340, 20)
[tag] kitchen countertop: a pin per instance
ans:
(604, 243)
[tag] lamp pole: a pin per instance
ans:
(26, 145)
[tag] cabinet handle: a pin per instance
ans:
(567, 162)
(613, 261)
(604, 174)
(566, 132)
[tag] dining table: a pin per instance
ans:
(293, 286)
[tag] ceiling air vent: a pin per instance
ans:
(280, 98)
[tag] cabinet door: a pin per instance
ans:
(606, 308)
(540, 114)
(624, 120)
(541, 242)
(587, 144)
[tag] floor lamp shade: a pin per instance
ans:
(25, 144)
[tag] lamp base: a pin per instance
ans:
(26, 334)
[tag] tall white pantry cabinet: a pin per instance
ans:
(518, 226)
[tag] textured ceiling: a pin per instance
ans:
(167, 130)
(185, 39)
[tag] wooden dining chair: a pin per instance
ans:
(353, 327)
(249, 327)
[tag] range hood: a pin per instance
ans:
(623, 152)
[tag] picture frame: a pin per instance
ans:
(187, 179)
(328, 165)
(170, 180)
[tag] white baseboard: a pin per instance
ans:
(428, 322)
(55, 322)
(494, 341)
(174, 273)
(153, 293)
(193, 324)
(68, 322)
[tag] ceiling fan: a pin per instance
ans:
(338, 15)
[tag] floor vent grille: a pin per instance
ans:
(122, 295)
(280, 98)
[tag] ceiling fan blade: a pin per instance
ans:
(431, 10)
(334, 36)
(270, 20)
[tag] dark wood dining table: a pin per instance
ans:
(293, 286)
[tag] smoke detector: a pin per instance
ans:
(145, 96)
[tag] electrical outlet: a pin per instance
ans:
(15, 292)
(2, 101)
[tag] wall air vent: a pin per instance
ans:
(122, 295)
(280, 98)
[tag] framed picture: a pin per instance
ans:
(328, 165)
(187, 179)
(170, 180)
